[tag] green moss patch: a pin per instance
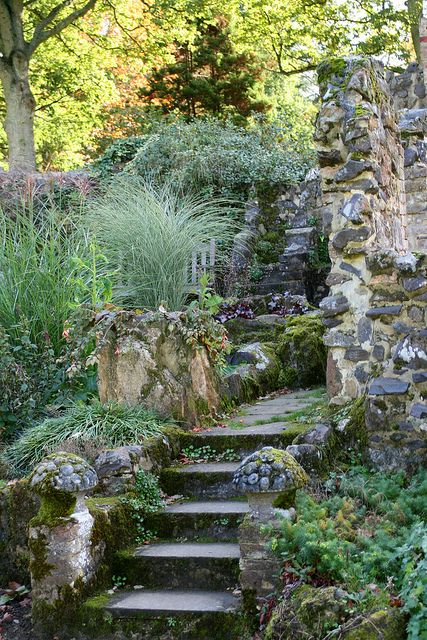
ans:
(302, 352)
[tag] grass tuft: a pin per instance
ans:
(111, 425)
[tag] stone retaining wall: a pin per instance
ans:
(375, 313)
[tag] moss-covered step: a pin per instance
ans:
(204, 480)
(165, 615)
(245, 439)
(185, 565)
(216, 519)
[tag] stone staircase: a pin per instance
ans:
(185, 586)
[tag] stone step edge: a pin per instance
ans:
(199, 550)
(126, 603)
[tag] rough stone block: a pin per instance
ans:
(388, 386)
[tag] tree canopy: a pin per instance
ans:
(103, 69)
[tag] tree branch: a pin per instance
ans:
(41, 36)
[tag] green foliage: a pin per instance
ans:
(413, 555)
(318, 256)
(220, 158)
(207, 301)
(30, 378)
(149, 235)
(205, 453)
(146, 498)
(369, 529)
(111, 425)
(117, 156)
(48, 266)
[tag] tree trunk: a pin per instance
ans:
(20, 108)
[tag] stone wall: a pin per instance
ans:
(375, 314)
(280, 240)
(409, 96)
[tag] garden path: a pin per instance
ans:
(189, 578)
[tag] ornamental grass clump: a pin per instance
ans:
(45, 271)
(149, 234)
(111, 425)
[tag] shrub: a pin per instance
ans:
(216, 157)
(112, 425)
(369, 532)
(30, 378)
(149, 235)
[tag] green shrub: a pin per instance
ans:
(30, 378)
(371, 529)
(111, 425)
(302, 352)
(216, 157)
(149, 235)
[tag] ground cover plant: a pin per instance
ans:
(367, 533)
(111, 425)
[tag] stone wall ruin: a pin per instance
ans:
(373, 171)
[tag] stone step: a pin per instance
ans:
(167, 615)
(204, 480)
(181, 565)
(247, 438)
(218, 520)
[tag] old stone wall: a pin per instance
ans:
(375, 313)
(280, 247)
(409, 96)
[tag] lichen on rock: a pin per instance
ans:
(270, 469)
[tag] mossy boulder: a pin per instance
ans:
(385, 624)
(302, 352)
(309, 612)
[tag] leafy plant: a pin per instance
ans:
(113, 425)
(119, 581)
(207, 300)
(146, 498)
(220, 158)
(205, 453)
(149, 235)
(30, 378)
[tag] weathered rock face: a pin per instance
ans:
(151, 360)
(375, 313)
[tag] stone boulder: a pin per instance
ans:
(157, 360)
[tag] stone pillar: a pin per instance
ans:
(62, 560)
(361, 166)
(270, 478)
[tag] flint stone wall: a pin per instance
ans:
(376, 312)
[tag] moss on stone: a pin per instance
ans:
(302, 352)
(385, 624)
(39, 566)
(53, 508)
(18, 504)
(330, 69)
